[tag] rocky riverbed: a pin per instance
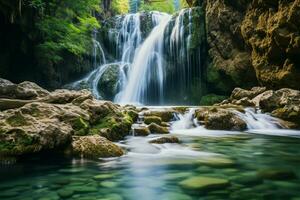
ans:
(73, 123)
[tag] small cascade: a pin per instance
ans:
(185, 121)
(256, 120)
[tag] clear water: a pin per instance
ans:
(155, 171)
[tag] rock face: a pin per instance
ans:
(95, 147)
(256, 38)
(108, 83)
(42, 121)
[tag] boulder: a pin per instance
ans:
(163, 140)
(152, 119)
(94, 147)
(155, 128)
(108, 83)
(217, 118)
(141, 131)
(239, 93)
(25, 90)
(166, 115)
(204, 183)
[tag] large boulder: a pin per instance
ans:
(220, 119)
(25, 90)
(108, 83)
(94, 147)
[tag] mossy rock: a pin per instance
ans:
(152, 119)
(80, 126)
(155, 128)
(204, 183)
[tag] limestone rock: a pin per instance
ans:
(220, 119)
(25, 90)
(152, 119)
(204, 183)
(163, 140)
(95, 147)
(155, 128)
(141, 131)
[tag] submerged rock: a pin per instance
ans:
(163, 140)
(276, 174)
(204, 183)
(95, 147)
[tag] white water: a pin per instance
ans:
(257, 123)
(143, 62)
(148, 56)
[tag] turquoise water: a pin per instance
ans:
(253, 166)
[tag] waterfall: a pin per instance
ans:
(152, 51)
(185, 121)
(147, 64)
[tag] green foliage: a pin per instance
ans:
(158, 5)
(120, 6)
(211, 99)
(65, 26)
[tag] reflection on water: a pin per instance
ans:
(243, 166)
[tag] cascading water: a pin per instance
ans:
(152, 54)
(147, 64)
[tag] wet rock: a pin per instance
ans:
(175, 195)
(276, 174)
(152, 119)
(65, 193)
(204, 183)
(166, 115)
(141, 131)
(163, 140)
(239, 93)
(154, 128)
(221, 119)
(108, 184)
(101, 177)
(95, 147)
(248, 180)
(216, 162)
(109, 82)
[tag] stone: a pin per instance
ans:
(276, 174)
(154, 128)
(104, 176)
(166, 115)
(65, 193)
(69, 171)
(216, 162)
(204, 183)
(141, 131)
(239, 93)
(108, 184)
(222, 119)
(95, 147)
(163, 140)
(152, 119)
(175, 196)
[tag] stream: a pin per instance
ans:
(255, 164)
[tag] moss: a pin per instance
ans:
(17, 120)
(80, 126)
